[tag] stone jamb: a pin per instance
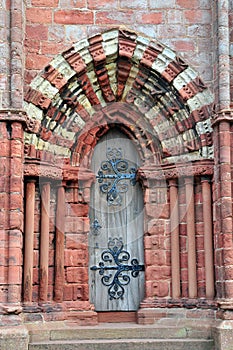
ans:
(222, 124)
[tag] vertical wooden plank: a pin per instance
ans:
(28, 242)
(44, 241)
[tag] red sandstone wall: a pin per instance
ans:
(185, 26)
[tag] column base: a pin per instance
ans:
(50, 311)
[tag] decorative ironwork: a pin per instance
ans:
(113, 175)
(95, 227)
(120, 257)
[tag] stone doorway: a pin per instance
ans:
(119, 79)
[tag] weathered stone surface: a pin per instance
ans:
(175, 334)
(223, 335)
(14, 338)
(129, 345)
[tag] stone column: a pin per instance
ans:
(16, 77)
(11, 63)
(12, 119)
(28, 240)
(223, 54)
(175, 251)
(15, 209)
(190, 214)
(225, 174)
(59, 252)
(223, 212)
(208, 237)
(44, 241)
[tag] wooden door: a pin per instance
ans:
(116, 252)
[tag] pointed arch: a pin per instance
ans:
(163, 97)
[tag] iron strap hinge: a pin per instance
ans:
(116, 254)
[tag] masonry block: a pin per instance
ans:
(77, 275)
(14, 337)
(223, 335)
(73, 17)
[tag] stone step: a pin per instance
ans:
(64, 332)
(167, 335)
(125, 344)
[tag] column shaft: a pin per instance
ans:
(190, 213)
(44, 241)
(59, 254)
(28, 242)
(175, 247)
(208, 238)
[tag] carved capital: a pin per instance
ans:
(225, 115)
(41, 170)
(164, 172)
(172, 183)
(80, 174)
(13, 115)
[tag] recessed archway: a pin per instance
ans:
(122, 79)
(121, 68)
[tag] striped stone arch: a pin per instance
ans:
(119, 78)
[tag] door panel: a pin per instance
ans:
(116, 252)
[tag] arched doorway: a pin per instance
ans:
(116, 251)
(159, 102)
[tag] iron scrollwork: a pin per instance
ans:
(120, 257)
(113, 176)
(95, 227)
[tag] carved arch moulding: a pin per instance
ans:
(118, 79)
